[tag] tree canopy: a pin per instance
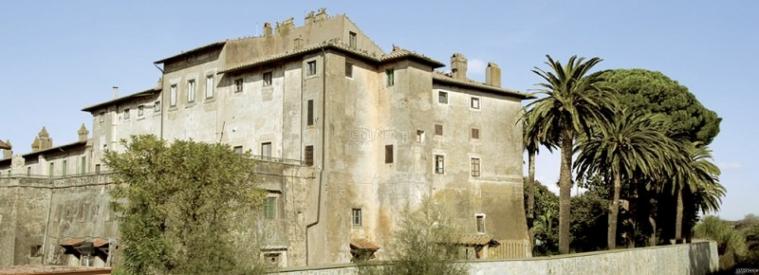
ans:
(654, 92)
(178, 205)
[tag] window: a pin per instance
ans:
(267, 79)
(439, 164)
(238, 85)
(157, 107)
(173, 96)
(309, 155)
(83, 165)
(480, 219)
(476, 167)
(64, 163)
(140, 111)
(270, 208)
(209, 86)
(389, 153)
(266, 149)
(438, 129)
(190, 90)
(97, 169)
(442, 97)
(28, 171)
(311, 69)
(310, 113)
(475, 103)
(419, 136)
(352, 41)
(126, 114)
(348, 70)
(356, 216)
(101, 117)
(237, 150)
(51, 170)
(475, 133)
(390, 75)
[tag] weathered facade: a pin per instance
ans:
(355, 135)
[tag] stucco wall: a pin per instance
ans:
(697, 258)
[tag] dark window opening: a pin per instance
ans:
(390, 75)
(476, 167)
(309, 155)
(442, 97)
(388, 153)
(356, 216)
(267, 79)
(348, 70)
(439, 164)
(238, 85)
(311, 68)
(438, 130)
(475, 133)
(310, 113)
(352, 40)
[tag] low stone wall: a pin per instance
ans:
(696, 258)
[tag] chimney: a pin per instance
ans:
(115, 91)
(83, 133)
(458, 66)
(493, 75)
(267, 29)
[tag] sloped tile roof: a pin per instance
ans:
(4, 145)
(364, 244)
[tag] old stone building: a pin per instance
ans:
(354, 133)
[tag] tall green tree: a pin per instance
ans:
(631, 144)
(179, 204)
(692, 174)
(653, 92)
(573, 99)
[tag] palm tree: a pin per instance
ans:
(573, 100)
(699, 175)
(532, 142)
(629, 146)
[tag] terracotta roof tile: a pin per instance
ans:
(4, 145)
(364, 244)
(98, 242)
(475, 239)
(71, 242)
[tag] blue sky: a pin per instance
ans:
(59, 56)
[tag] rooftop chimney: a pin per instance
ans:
(284, 27)
(267, 29)
(493, 75)
(83, 133)
(115, 91)
(458, 66)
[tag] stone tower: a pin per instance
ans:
(83, 133)
(42, 141)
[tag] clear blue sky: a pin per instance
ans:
(59, 56)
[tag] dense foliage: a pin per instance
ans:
(737, 242)
(178, 206)
(655, 93)
(424, 243)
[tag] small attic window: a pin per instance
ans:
(352, 42)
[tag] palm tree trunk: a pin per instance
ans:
(611, 236)
(565, 189)
(652, 238)
(679, 216)
(531, 185)
(531, 195)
